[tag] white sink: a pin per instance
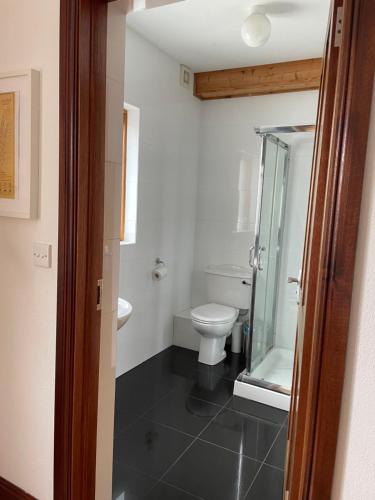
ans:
(124, 312)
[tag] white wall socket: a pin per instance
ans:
(42, 254)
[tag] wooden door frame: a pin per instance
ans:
(82, 135)
(83, 46)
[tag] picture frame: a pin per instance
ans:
(19, 143)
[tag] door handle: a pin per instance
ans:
(297, 281)
(291, 279)
(251, 256)
(260, 266)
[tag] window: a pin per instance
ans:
(129, 180)
(123, 177)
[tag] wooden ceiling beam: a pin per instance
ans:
(291, 76)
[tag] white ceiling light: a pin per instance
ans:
(256, 29)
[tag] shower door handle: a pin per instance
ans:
(259, 259)
(251, 256)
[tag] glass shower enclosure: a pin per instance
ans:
(266, 252)
(269, 365)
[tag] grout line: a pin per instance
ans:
(263, 463)
(138, 417)
(190, 445)
(179, 489)
(277, 424)
(274, 467)
(203, 400)
(168, 427)
(231, 451)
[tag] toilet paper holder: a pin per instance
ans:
(160, 271)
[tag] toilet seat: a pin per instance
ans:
(214, 314)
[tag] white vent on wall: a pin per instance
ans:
(186, 77)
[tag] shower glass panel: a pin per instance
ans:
(266, 253)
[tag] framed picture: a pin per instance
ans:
(19, 144)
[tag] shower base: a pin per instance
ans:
(270, 382)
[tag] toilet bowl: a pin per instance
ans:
(228, 291)
(214, 322)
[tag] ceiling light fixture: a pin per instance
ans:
(256, 29)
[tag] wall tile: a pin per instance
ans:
(114, 121)
(112, 200)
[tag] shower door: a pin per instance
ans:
(265, 255)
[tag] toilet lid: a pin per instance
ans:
(214, 313)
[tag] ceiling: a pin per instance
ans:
(206, 34)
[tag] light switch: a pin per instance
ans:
(42, 254)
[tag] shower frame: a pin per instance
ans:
(267, 134)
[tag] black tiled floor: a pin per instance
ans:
(176, 422)
(166, 492)
(268, 485)
(133, 483)
(217, 391)
(241, 433)
(258, 410)
(149, 447)
(183, 413)
(276, 456)
(213, 473)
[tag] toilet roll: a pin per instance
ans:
(159, 273)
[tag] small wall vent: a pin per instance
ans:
(186, 77)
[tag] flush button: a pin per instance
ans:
(42, 255)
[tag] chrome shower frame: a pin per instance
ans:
(267, 133)
(255, 251)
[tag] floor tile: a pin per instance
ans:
(268, 485)
(276, 456)
(139, 390)
(213, 473)
(183, 412)
(182, 362)
(130, 483)
(230, 368)
(166, 492)
(242, 433)
(124, 417)
(258, 410)
(134, 396)
(211, 389)
(149, 447)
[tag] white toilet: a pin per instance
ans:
(228, 289)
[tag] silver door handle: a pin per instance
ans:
(251, 256)
(291, 279)
(259, 263)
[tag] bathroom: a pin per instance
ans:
(204, 181)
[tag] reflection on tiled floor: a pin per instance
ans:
(181, 435)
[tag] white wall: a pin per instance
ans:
(229, 161)
(29, 38)
(168, 162)
(301, 155)
(355, 465)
